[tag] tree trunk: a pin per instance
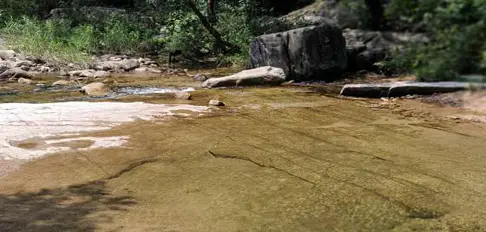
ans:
(211, 14)
(376, 10)
(218, 39)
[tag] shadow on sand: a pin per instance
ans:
(76, 208)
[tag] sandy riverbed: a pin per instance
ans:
(274, 159)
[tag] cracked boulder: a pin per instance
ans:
(365, 48)
(315, 52)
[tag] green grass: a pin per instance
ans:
(52, 41)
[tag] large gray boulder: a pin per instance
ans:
(339, 12)
(258, 76)
(365, 48)
(315, 52)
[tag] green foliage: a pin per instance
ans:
(119, 37)
(356, 9)
(184, 32)
(53, 41)
(457, 29)
(71, 31)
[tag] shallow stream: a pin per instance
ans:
(293, 158)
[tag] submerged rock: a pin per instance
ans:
(315, 52)
(96, 89)
(258, 76)
(399, 89)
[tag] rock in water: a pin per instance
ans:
(200, 77)
(61, 83)
(24, 81)
(96, 89)
(181, 95)
(215, 102)
(259, 76)
(315, 52)
(366, 90)
(429, 88)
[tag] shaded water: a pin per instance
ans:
(274, 159)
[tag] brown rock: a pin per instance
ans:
(183, 95)
(24, 81)
(97, 89)
(14, 73)
(215, 102)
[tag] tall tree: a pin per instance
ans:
(219, 42)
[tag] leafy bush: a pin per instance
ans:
(358, 10)
(457, 29)
(118, 37)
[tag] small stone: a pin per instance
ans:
(7, 54)
(25, 68)
(215, 102)
(24, 63)
(75, 73)
(183, 95)
(14, 73)
(100, 74)
(87, 73)
(95, 89)
(63, 73)
(154, 70)
(129, 64)
(60, 83)
(108, 81)
(115, 58)
(24, 81)
(45, 69)
(141, 70)
(150, 62)
(200, 77)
